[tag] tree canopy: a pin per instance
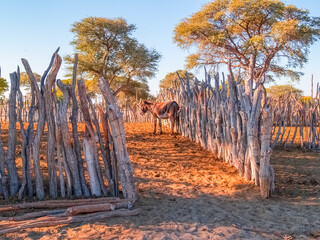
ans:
(136, 91)
(282, 91)
(3, 86)
(171, 80)
(107, 49)
(275, 35)
(25, 81)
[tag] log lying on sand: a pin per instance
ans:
(97, 208)
(62, 203)
(32, 215)
(71, 211)
(50, 221)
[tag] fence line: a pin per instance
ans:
(227, 120)
(66, 151)
(130, 113)
(296, 122)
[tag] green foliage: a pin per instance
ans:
(58, 90)
(25, 81)
(135, 91)
(233, 30)
(282, 91)
(171, 80)
(3, 86)
(107, 49)
(306, 99)
(90, 88)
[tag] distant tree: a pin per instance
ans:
(25, 81)
(107, 49)
(283, 90)
(3, 86)
(307, 99)
(275, 35)
(171, 80)
(91, 87)
(135, 92)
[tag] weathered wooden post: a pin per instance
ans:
(74, 122)
(40, 127)
(3, 179)
(119, 139)
(89, 145)
(47, 89)
(266, 170)
(11, 152)
(68, 151)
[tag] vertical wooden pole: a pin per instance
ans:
(266, 171)
(118, 135)
(40, 127)
(74, 122)
(69, 154)
(11, 152)
(49, 105)
(89, 144)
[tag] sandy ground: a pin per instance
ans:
(186, 193)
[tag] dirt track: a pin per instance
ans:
(186, 193)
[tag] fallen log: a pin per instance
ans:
(51, 221)
(32, 215)
(97, 208)
(71, 211)
(61, 203)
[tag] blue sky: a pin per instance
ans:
(34, 29)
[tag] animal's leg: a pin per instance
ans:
(160, 126)
(155, 126)
(172, 124)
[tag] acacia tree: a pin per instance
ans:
(276, 36)
(171, 80)
(107, 49)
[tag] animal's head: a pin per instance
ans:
(145, 106)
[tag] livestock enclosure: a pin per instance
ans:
(179, 175)
(124, 134)
(111, 178)
(239, 126)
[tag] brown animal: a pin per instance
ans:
(161, 111)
